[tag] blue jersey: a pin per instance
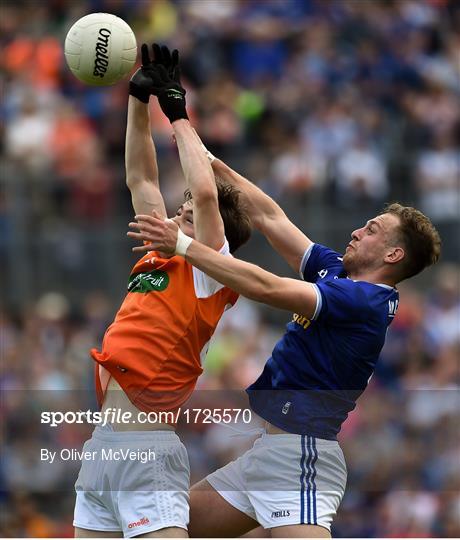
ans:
(320, 367)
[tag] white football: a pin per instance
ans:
(100, 49)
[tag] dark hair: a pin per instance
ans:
(419, 238)
(237, 224)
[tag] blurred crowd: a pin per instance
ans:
(333, 107)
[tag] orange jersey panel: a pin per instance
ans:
(153, 348)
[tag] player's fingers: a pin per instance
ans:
(166, 56)
(150, 223)
(145, 247)
(146, 217)
(148, 227)
(134, 225)
(145, 55)
(162, 72)
(139, 236)
(141, 228)
(175, 58)
(174, 138)
(175, 69)
(176, 73)
(157, 56)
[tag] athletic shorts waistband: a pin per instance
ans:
(273, 438)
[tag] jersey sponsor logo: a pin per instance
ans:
(142, 521)
(322, 273)
(281, 513)
(300, 319)
(392, 307)
(155, 280)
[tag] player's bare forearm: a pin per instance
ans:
(141, 160)
(140, 155)
(199, 178)
(259, 205)
(245, 278)
(268, 217)
(195, 165)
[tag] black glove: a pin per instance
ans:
(162, 56)
(167, 86)
(160, 77)
(140, 84)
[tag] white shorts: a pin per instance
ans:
(135, 493)
(285, 480)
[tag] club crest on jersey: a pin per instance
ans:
(286, 407)
(143, 282)
(322, 273)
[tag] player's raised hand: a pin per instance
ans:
(170, 60)
(155, 232)
(141, 83)
(168, 89)
(160, 76)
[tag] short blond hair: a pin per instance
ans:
(418, 236)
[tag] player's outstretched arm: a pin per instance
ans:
(140, 160)
(266, 215)
(199, 177)
(140, 155)
(245, 278)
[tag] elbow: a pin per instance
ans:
(131, 181)
(269, 219)
(204, 196)
(135, 180)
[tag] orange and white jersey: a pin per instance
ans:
(161, 332)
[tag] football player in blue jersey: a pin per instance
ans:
(293, 479)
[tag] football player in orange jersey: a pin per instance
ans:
(151, 353)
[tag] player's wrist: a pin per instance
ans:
(176, 114)
(138, 92)
(211, 157)
(182, 244)
(173, 120)
(172, 103)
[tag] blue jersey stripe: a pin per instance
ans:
(313, 479)
(309, 471)
(302, 478)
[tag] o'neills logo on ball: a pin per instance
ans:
(102, 48)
